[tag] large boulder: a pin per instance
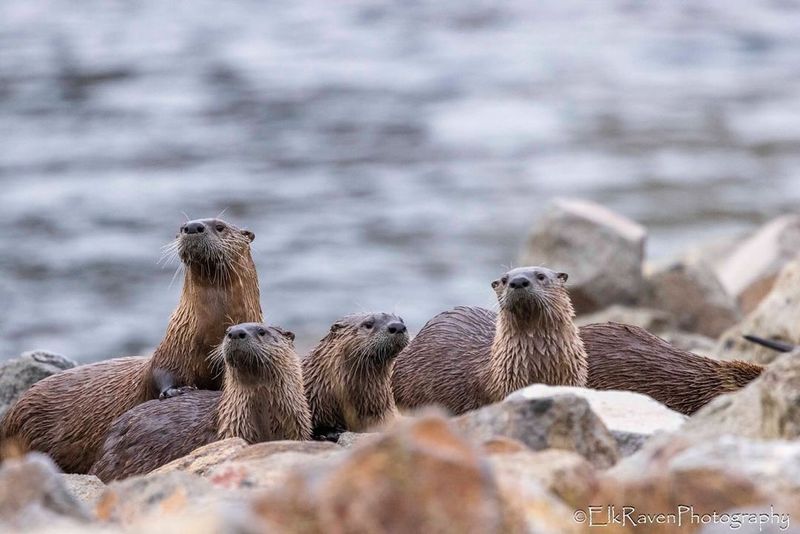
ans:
(602, 252)
(652, 320)
(767, 408)
(87, 488)
(17, 375)
(630, 417)
(776, 317)
(419, 477)
(694, 297)
(32, 493)
(750, 269)
(563, 421)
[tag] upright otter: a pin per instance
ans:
(262, 399)
(468, 357)
(630, 358)
(347, 375)
(68, 414)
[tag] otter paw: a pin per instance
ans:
(174, 392)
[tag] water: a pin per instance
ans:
(388, 156)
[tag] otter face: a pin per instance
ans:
(212, 244)
(376, 338)
(255, 348)
(528, 289)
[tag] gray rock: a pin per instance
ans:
(351, 439)
(560, 421)
(776, 317)
(602, 252)
(631, 417)
(767, 408)
(87, 488)
(687, 341)
(17, 375)
(749, 271)
(32, 493)
(694, 297)
(652, 320)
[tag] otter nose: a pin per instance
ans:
(194, 228)
(237, 332)
(519, 282)
(396, 327)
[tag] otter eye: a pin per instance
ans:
(541, 277)
(504, 280)
(368, 324)
(220, 227)
(262, 332)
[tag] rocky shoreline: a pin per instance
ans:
(547, 459)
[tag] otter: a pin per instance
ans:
(630, 358)
(468, 357)
(347, 375)
(262, 399)
(68, 414)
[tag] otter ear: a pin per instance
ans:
(335, 327)
(563, 277)
(250, 235)
(495, 284)
(288, 335)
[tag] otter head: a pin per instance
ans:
(533, 292)
(370, 340)
(212, 246)
(254, 351)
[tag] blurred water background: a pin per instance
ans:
(388, 155)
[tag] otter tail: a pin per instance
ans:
(779, 346)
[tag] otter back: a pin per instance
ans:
(156, 432)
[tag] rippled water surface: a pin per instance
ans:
(389, 156)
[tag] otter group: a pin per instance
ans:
(221, 372)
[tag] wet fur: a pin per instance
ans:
(629, 358)
(348, 379)
(468, 357)
(68, 414)
(263, 401)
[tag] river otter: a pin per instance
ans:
(630, 358)
(469, 357)
(68, 414)
(347, 375)
(262, 399)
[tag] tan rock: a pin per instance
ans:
(204, 458)
(602, 251)
(694, 297)
(749, 271)
(87, 488)
(562, 421)
(776, 317)
(32, 493)
(419, 477)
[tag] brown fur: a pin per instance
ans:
(68, 414)
(348, 375)
(630, 358)
(469, 357)
(262, 400)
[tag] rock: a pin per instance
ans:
(767, 408)
(776, 317)
(160, 494)
(87, 488)
(694, 297)
(32, 493)
(696, 343)
(631, 417)
(418, 477)
(601, 251)
(650, 319)
(350, 439)
(17, 375)
(565, 474)
(559, 421)
(749, 271)
(202, 459)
